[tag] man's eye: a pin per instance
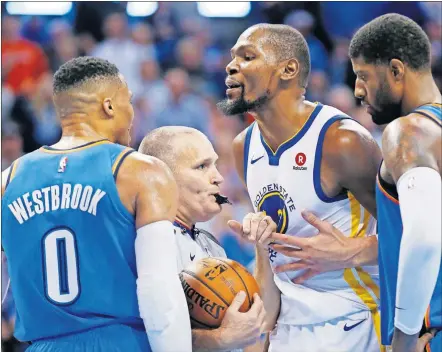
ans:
(202, 167)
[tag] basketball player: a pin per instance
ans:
(87, 226)
(392, 61)
(400, 92)
(297, 155)
(192, 159)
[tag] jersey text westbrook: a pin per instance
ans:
(56, 197)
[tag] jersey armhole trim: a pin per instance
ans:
(11, 173)
(432, 118)
(246, 149)
(119, 160)
(383, 187)
(317, 165)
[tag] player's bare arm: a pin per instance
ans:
(148, 189)
(412, 156)
(270, 294)
(352, 158)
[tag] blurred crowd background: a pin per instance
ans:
(174, 62)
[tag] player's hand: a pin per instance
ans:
(411, 343)
(238, 329)
(329, 250)
(424, 340)
(255, 227)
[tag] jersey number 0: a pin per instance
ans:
(62, 284)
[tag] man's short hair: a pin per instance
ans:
(392, 36)
(288, 43)
(82, 69)
(159, 143)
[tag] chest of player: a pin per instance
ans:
(284, 187)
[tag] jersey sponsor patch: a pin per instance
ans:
(300, 160)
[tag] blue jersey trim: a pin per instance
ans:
(121, 162)
(246, 150)
(274, 157)
(431, 109)
(10, 173)
(89, 144)
(317, 166)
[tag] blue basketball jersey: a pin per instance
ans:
(390, 233)
(69, 242)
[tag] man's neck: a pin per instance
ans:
(75, 133)
(421, 90)
(282, 118)
(183, 220)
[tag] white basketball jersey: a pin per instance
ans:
(283, 184)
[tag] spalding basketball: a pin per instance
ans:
(210, 284)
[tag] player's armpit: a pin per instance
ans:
(409, 142)
(355, 157)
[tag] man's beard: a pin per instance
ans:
(389, 110)
(240, 105)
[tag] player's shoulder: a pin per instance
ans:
(341, 127)
(411, 140)
(140, 166)
(143, 161)
(348, 138)
(410, 127)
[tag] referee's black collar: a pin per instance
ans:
(191, 231)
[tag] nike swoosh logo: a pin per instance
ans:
(348, 328)
(192, 257)
(255, 160)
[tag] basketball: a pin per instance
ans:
(210, 284)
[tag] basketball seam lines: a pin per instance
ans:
(210, 288)
(203, 324)
(244, 284)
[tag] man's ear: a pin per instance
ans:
(107, 107)
(397, 69)
(290, 70)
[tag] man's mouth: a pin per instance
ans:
(368, 108)
(221, 199)
(233, 87)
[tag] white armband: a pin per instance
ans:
(419, 191)
(161, 298)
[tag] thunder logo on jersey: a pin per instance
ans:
(274, 200)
